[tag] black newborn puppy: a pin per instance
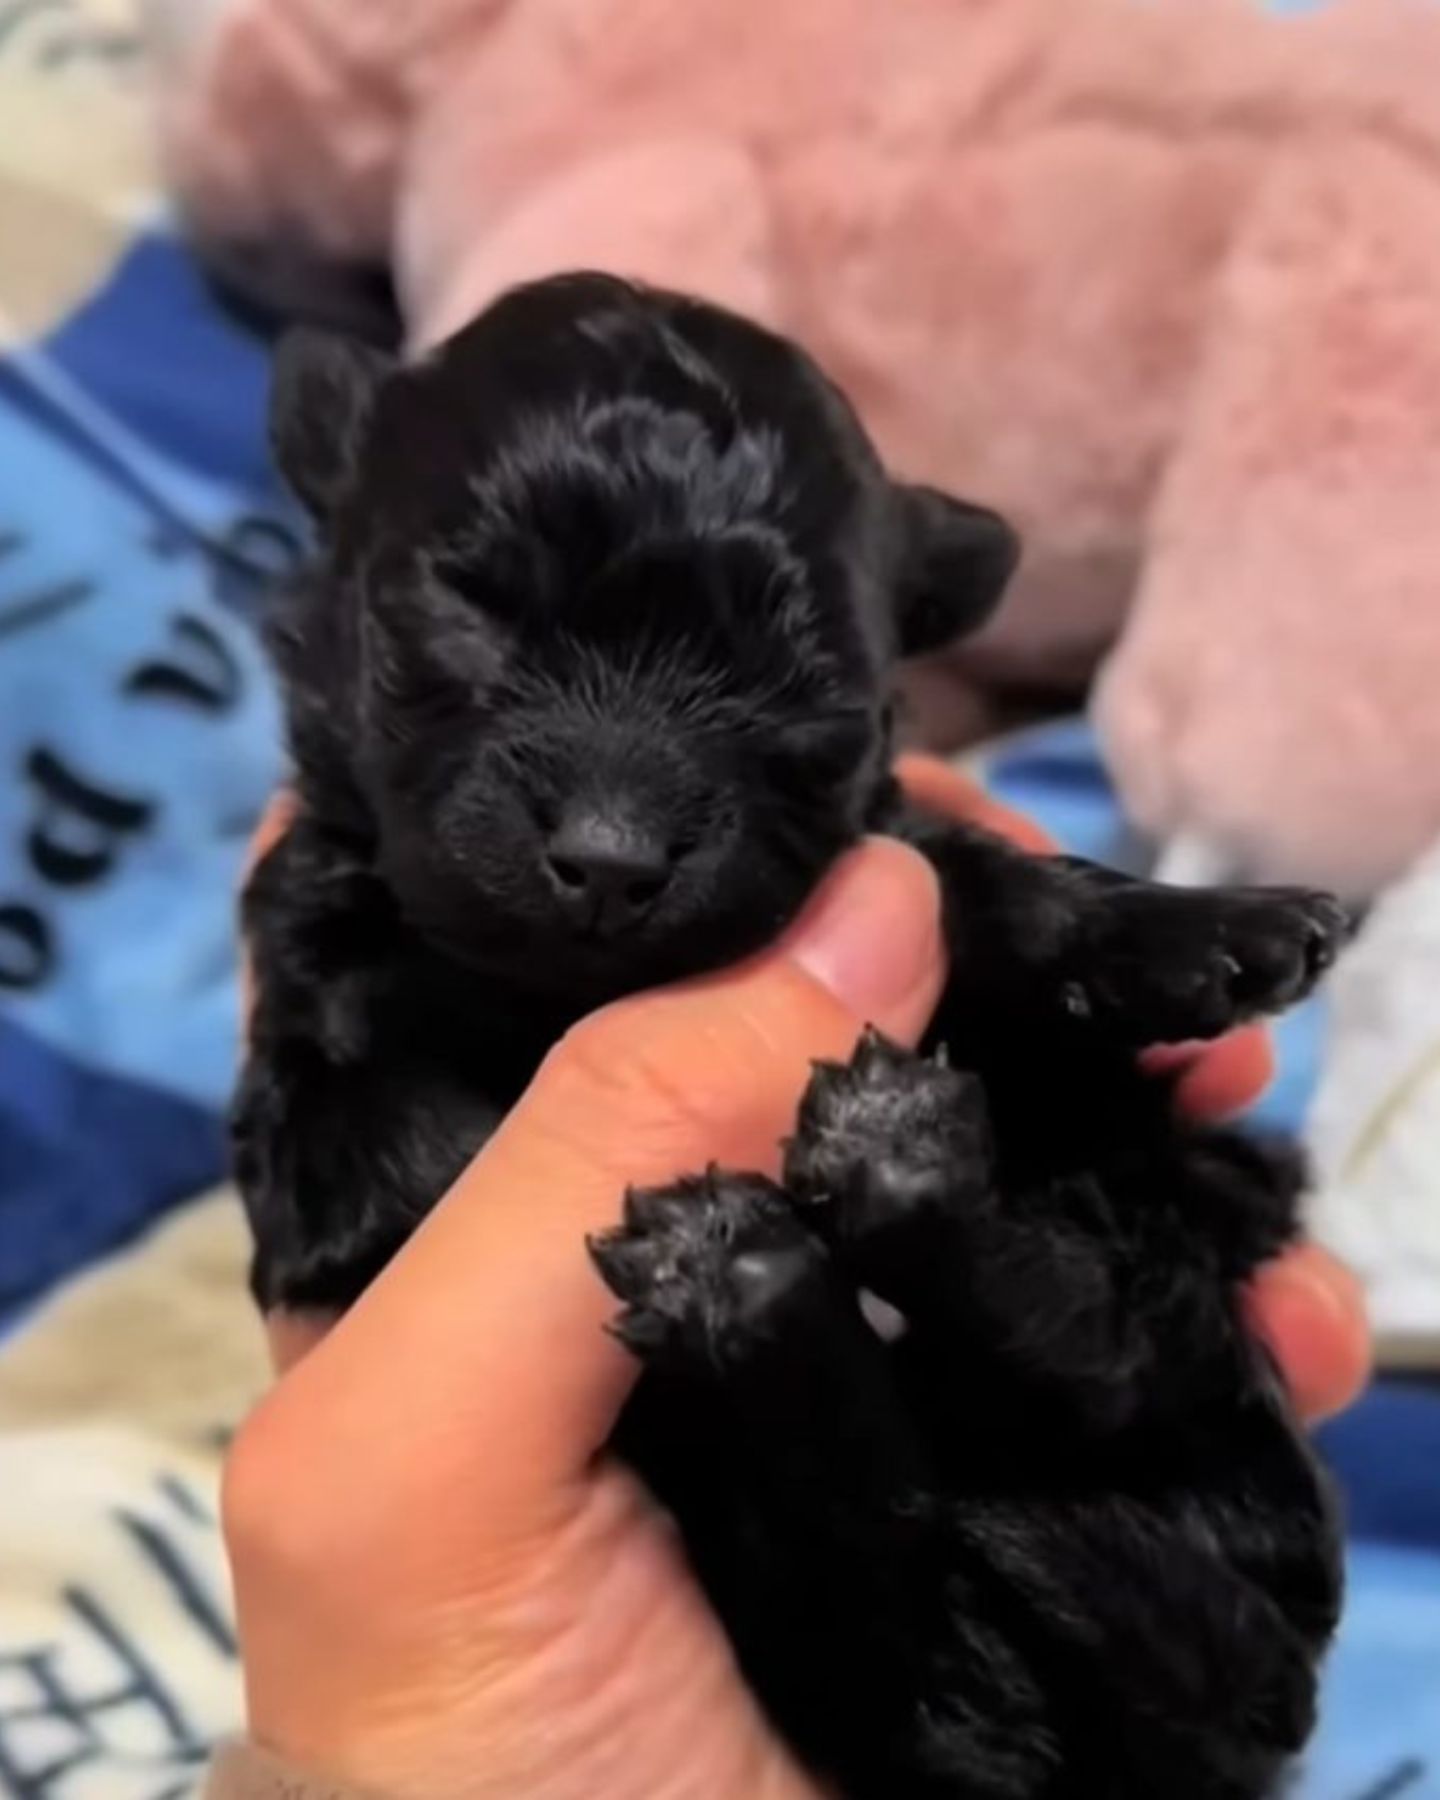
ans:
(588, 687)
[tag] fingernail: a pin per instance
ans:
(872, 933)
(1311, 1290)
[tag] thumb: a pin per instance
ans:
(484, 1342)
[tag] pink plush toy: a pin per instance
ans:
(1159, 278)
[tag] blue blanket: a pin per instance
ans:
(139, 735)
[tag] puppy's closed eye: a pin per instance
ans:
(823, 750)
(831, 744)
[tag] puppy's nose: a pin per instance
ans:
(605, 869)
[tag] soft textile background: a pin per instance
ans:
(137, 739)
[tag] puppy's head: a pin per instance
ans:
(614, 586)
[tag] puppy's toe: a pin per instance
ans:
(1162, 964)
(886, 1139)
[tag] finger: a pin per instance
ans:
(274, 823)
(1219, 1080)
(935, 787)
(1310, 1309)
(487, 1330)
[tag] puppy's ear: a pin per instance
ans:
(956, 561)
(322, 393)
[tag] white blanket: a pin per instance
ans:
(118, 1670)
(1375, 1126)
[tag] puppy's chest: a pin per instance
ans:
(489, 1038)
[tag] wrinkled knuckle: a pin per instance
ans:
(698, 1068)
(621, 1058)
(601, 1047)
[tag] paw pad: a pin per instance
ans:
(887, 1137)
(706, 1266)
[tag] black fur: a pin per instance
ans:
(587, 689)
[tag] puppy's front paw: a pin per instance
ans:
(1167, 964)
(885, 1141)
(710, 1269)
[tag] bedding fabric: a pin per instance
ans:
(138, 731)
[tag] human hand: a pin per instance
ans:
(444, 1587)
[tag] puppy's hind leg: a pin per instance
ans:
(767, 1420)
(895, 1167)
(1048, 1351)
